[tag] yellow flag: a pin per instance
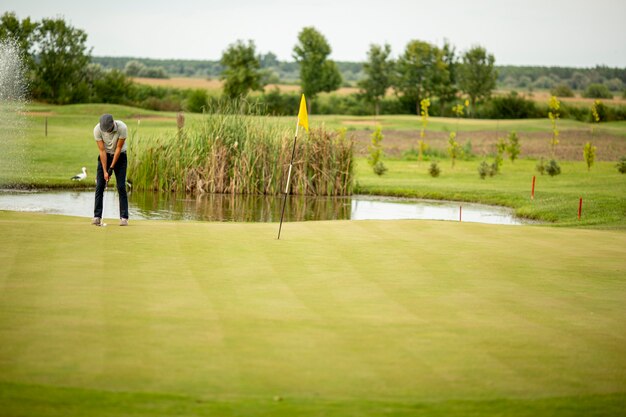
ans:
(303, 117)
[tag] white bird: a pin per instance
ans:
(80, 177)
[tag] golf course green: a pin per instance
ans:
(336, 318)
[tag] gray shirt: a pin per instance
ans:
(110, 139)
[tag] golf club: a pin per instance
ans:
(110, 171)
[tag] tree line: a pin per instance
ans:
(61, 70)
(422, 71)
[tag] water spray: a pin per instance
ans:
(13, 91)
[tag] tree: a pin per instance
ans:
(477, 75)
(589, 153)
(269, 60)
(317, 72)
(416, 71)
(241, 70)
(111, 86)
(376, 152)
(22, 32)
(133, 68)
(446, 88)
(378, 70)
(597, 91)
(61, 60)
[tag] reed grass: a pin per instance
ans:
(234, 150)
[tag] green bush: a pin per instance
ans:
(621, 165)
(511, 106)
(434, 170)
(483, 169)
(553, 168)
(597, 91)
(278, 104)
(379, 168)
(562, 90)
(111, 87)
(197, 101)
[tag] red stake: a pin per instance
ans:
(532, 193)
(460, 212)
(580, 207)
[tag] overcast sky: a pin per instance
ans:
(523, 32)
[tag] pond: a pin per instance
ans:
(245, 208)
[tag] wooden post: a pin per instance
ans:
(580, 207)
(532, 192)
(460, 213)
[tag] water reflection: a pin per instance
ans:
(246, 208)
(239, 208)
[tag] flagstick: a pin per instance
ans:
(293, 152)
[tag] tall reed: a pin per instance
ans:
(236, 151)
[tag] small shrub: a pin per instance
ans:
(483, 170)
(434, 170)
(424, 105)
(621, 165)
(589, 153)
(553, 168)
(495, 167)
(453, 148)
(513, 148)
(376, 152)
(554, 106)
(541, 166)
(379, 168)
(562, 90)
(597, 91)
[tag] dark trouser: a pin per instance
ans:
(120, 179)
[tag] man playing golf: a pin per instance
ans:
(110, 137)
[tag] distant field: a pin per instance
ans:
(215, 86)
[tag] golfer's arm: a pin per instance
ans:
(118, 150)
(103, 154)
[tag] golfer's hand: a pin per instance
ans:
(106, 176)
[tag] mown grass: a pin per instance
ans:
(336, 318)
